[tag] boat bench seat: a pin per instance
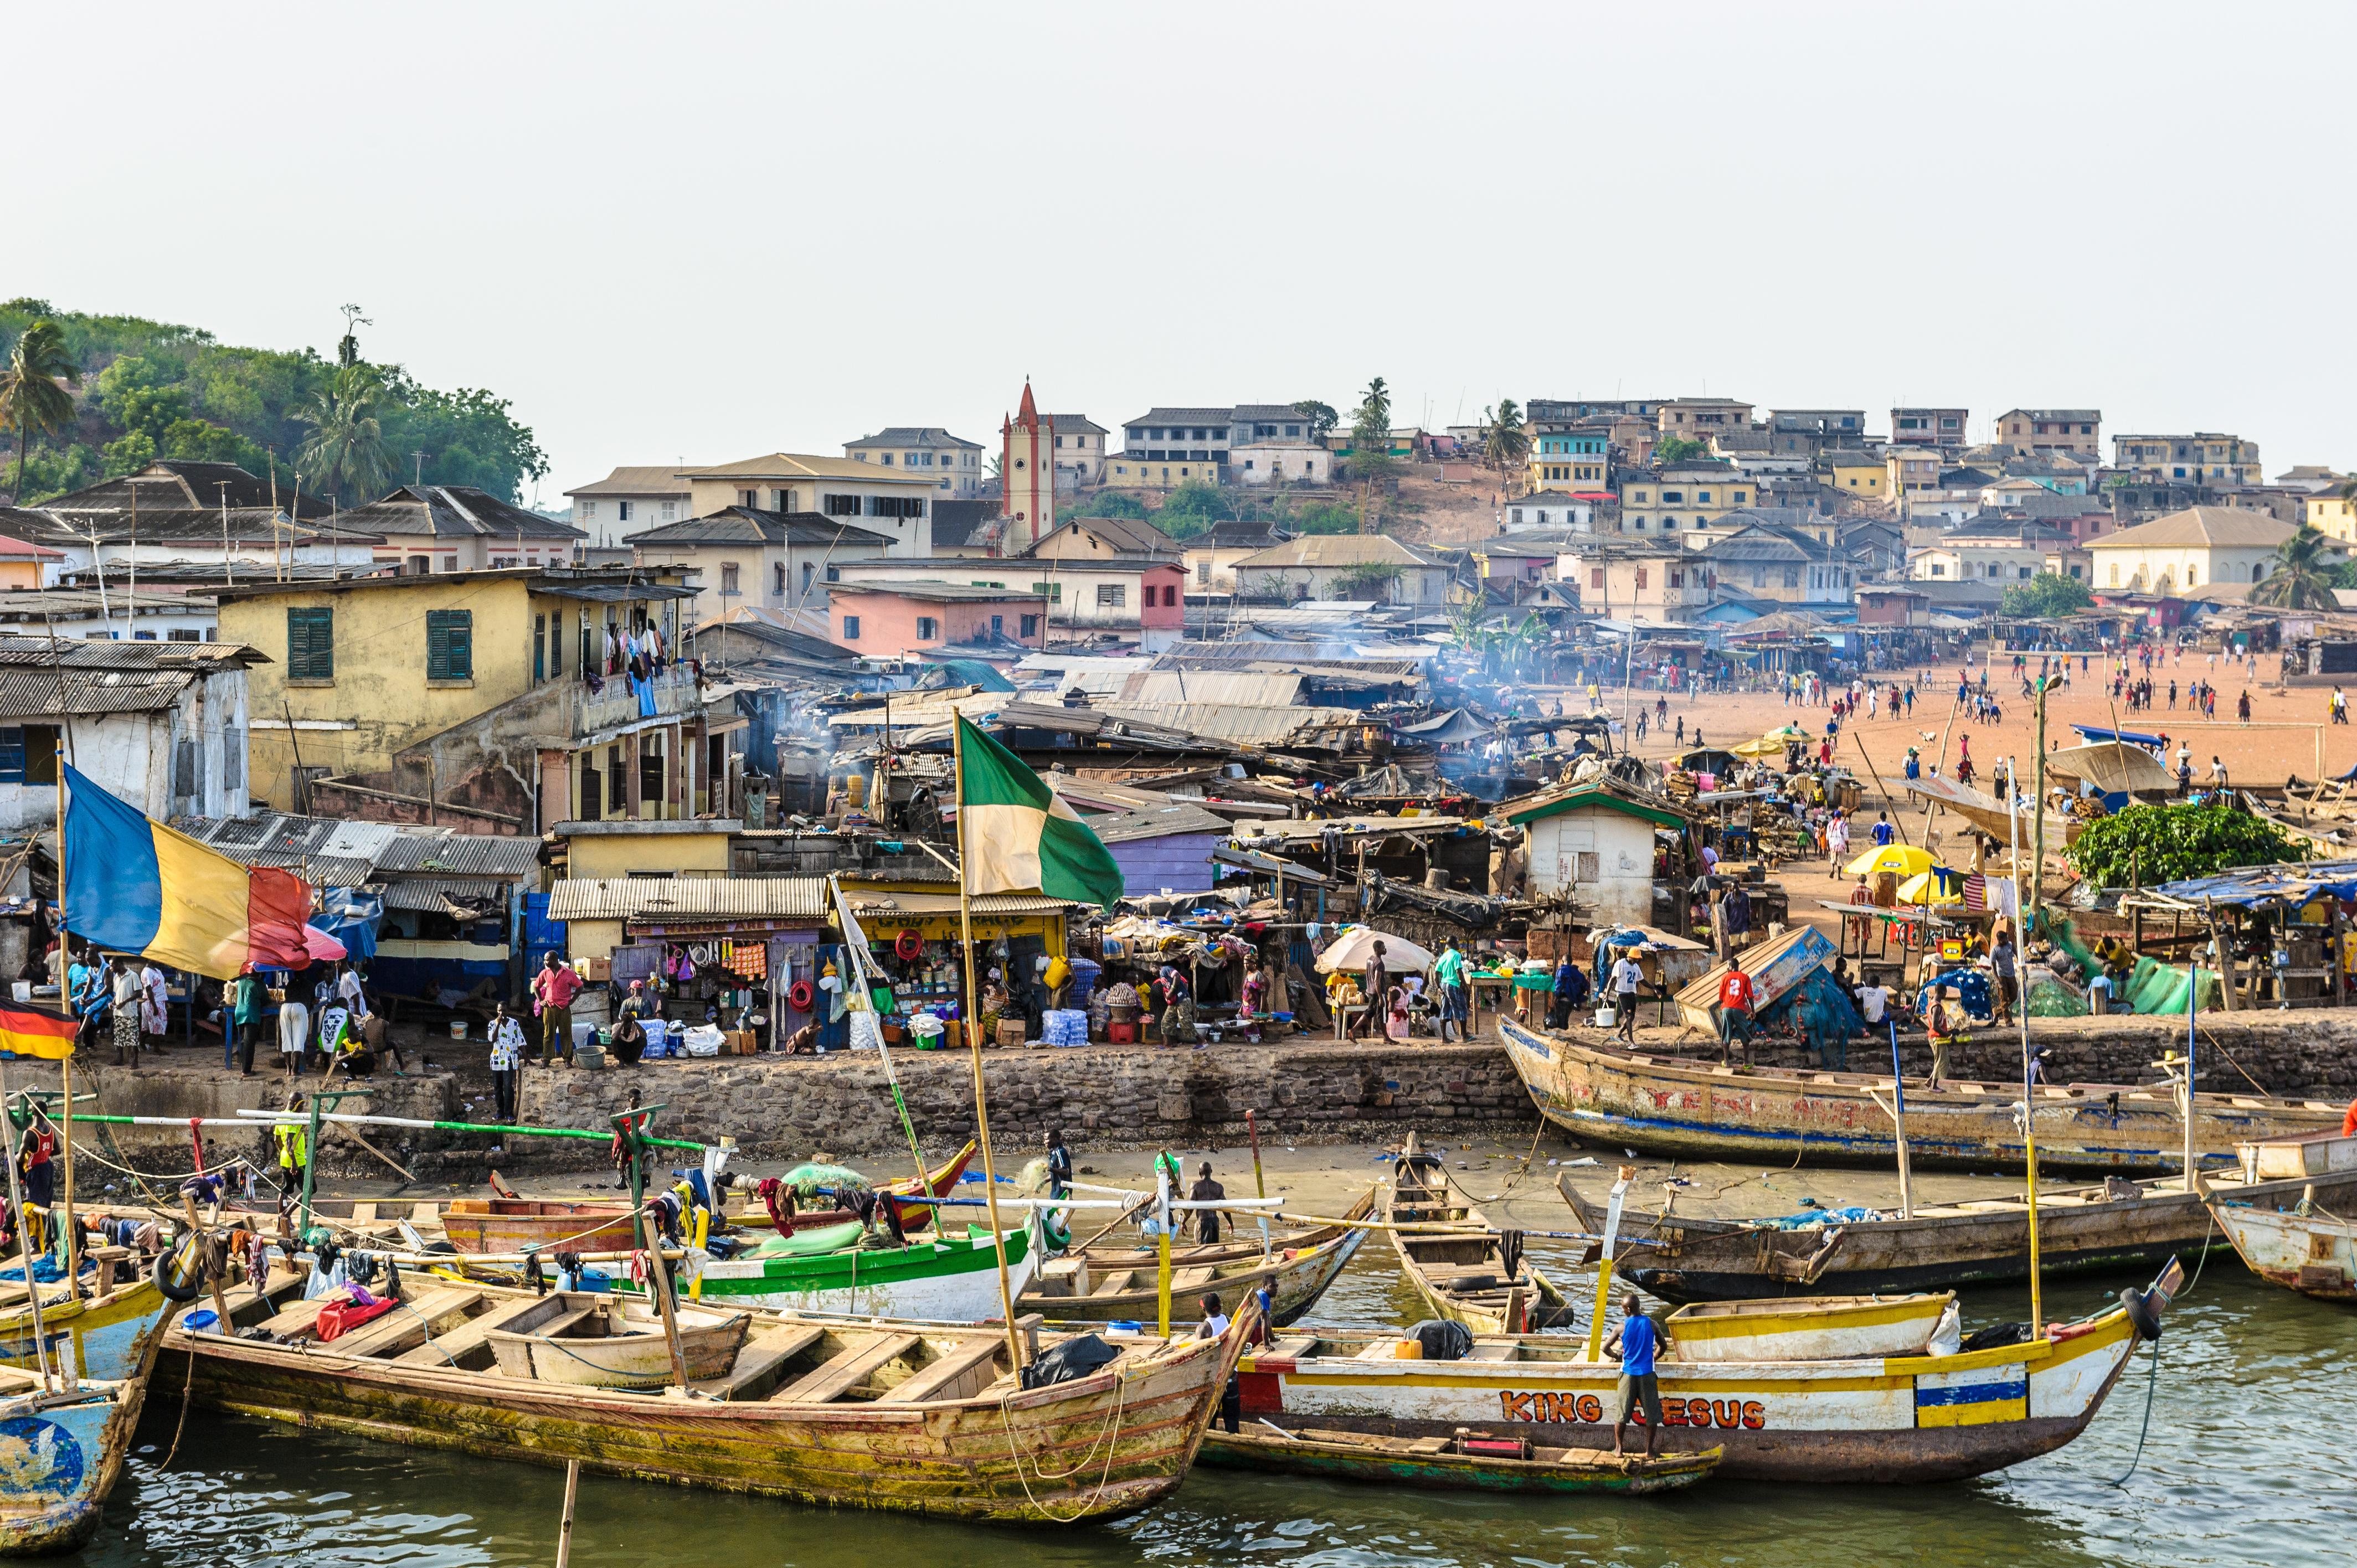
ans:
(763, 1359)
(302, 1317)
(1495, 1352)
(414, 1322)
(472, 1338)
(854, 1365)
(1116, 1283)
(957, 1375)
(1293, 1347)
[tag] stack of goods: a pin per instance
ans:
(1065, 1027)
(1680, 786)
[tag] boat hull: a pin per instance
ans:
(1823, 1329)
(1299, 1282)
(59, 1461)
(1394, 1464)
(1897, 1420)
(939, 1281)
(2308, 1253)
(1096, 1448)
(1697, 1110)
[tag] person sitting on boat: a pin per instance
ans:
(1636, 1342)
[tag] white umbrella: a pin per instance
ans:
(1400, 955)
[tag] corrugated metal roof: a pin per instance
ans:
(690, 897)
(334, 853)
(1227, 722)
(864, 901)
(462, 854)
(438, 894)
(1240, 688)
(1159, 822)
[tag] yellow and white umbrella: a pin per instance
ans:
(1937, 885)
(1904, 859)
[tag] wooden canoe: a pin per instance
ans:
(1888, 1419)
(1695, 1109)
(1471, 1273)
(2314, 1254)
(860, 1414)
(1820, 1328)
(62, 1444)
(2116, 1226)
(629, 1352)
(1102, 1284)
(1440, 1463)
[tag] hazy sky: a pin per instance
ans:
(706, 231)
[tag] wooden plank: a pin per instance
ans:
(954, 1376)
(473, 1336)
(409, 1323)
(847, 1371)
(1495, 1352)
(303, 1317)
(1293, 1347)
(764, 1357)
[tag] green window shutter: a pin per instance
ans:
(449, 645)
(310, 644)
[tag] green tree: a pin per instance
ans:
(2302, 580)
(346, 449)
(33, 396)
(1373, 420)
(1506, 438)
(1367, 580)
(1193, 508)
(1322, 416)
(1677, 449)
(2152, 845)
(1108, 503)
(2048, 594)
(1371, 448)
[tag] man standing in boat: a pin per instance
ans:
(1638, 1339)
(1735, 999)
(1626, 978)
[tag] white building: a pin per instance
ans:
(161, 726)
(1080, 450)
(745, 558)
(2200, 547)
(1547, 510)
(1592, 845)
(1346, 567)
(627, 499)
(953, 463)
(889, 501)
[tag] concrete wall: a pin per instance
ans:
(592, 856)
(1623, 886)
(132, 754)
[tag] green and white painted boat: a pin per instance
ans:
(942, 1279)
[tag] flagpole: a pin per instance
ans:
(65, 1068)
(974, 1045)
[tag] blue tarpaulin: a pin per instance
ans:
(2253, 885)
(350, 916)
(2134, 737)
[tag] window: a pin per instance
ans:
(622, 510)
(1030, 626)
(1203, 571)
(833, 506)
(728, 577)
(1171, 596)
(851, 628)
(886, 459)
(1641, 579)
(1791, 576)
(588, 511)
(449, 645)
(998, 626)
(185, 635)
(2023, 573)
(1596, 578)
(2115, 574)
(539, 648)
(899, 506)
(928, 629)
(1052, 592)
(1939, 570)
(1112, 595)
(809, 569)
(310, 645)
(671, 511)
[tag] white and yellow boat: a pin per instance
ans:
(1814, 1328)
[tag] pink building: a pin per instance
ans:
(884, 621)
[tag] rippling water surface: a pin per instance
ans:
(2249, 1461)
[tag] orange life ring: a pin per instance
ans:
(799, 996)
(909, 945)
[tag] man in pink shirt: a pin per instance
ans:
(552, 990)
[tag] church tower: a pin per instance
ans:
(1027, 477)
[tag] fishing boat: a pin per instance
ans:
(943, 1278)
(63, 1436)
(1694, 1109)
(1464, 1461)
(632, 1351)
(1102, 1283)
(2115, 1225)
(1822, 1329)
(909, 1417)
(2314, 1254)
(1894, 1419)
(1470, 1273)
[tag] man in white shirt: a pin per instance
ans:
(347, 990)
(1626, 978)
(1875, 1002)
(2217, 772)
(294, 1034)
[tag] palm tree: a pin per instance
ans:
(1507, 441)
(346, 447)
(1375, 406)
(30, 396)
(2301, 581)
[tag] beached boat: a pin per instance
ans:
(633, 1351)
(2117, 1225)
(1694, 1109)
(1882, 1419)
(1473, 1272)
(943, 1279)
(1823, 1328)
(63, 1439)
(1461, 1462)
(1100, 1283)
(2315, 1254)
(875, 1414)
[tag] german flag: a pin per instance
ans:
(34, 1032)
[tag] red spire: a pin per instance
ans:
(1028, 413)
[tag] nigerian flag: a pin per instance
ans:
(1017, 833)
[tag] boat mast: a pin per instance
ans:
(65, 1065)
(974, 1043)
(1604, 1264)
(23, 1235)
(2021, 995)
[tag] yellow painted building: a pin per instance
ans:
(602, 850)
(1860, 475)
(1681, 495)
(2334, 516)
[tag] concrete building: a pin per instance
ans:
(1270, 444)
(2052, 430)
(631, 498)
(1911, 470)
(2202, 457)
(1576, 460)
(2200, 547)
(1854, 474)
(161, 726)
(1079, 448)
(892, 503)
(1806, 431)
(1992, 548)
(1942, 428)
(1212, 557)
(1594, 845)
(1545, 509)
(1791, 565)
(887, 620)
(1681, 494)
(740, 557)
(1346, 567)
(456, 527)
(1656, 582)
(2332, 514)
(929, 452)
(1700, 418)
(1027, 477)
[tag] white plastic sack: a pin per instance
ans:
(703, 1040)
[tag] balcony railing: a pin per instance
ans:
(674, 693)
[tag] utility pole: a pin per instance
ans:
(418, 462)
(229, 574)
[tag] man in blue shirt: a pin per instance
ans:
(1635, 1345)
(1883, 831)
